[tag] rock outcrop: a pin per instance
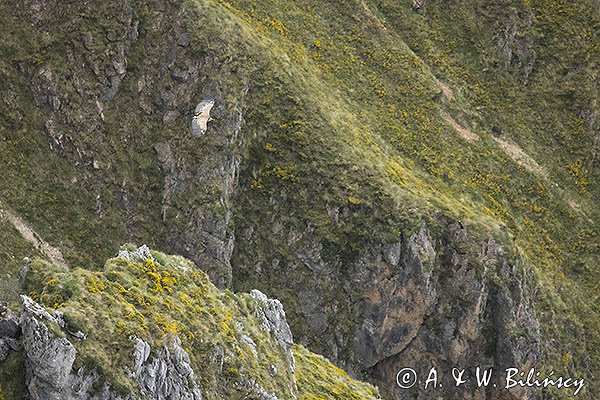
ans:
(167, 375)
(515, 44)
(242, 347)
(49, 357)
(10, 331)
(51, 373)
(465, 320)
(274, 321)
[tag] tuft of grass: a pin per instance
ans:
(319, 379)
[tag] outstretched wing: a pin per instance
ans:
(201, 117)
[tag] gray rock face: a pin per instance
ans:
(437, 296)
(274, 320)
(9, 327)
(49, 359)
(50, 373)
(8, 345)
(203, 234)
(10, 331)
(396, 300)
(452, 323)
(516, 46)
(167, 375)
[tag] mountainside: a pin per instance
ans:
(415, 180)
(153, 326)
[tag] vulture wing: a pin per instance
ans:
(201, 117)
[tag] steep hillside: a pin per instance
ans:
(415, 180)
(153, 326)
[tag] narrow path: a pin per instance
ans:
(520, 157)
(463, 132)
(52, 253)
(372, 16)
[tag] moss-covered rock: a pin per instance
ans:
(153, 325)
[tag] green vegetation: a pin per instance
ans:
(165, 297)
(361, 116)
(155, 301)
(12, 377)
(331, 382)
(345, 111)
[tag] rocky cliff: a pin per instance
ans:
(152, 326)
(415, 180)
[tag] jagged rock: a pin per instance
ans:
(140, 254)
(261, 393)
(9, 327)
(451, 317)
(515, 46)
(274, 320)
(4, 350)
(168, 164)
(49, 358)
(8, 345)
(141, 354)
(397, 298)
(49, 361)
(165, 375)
(311, 304)
(206, 236)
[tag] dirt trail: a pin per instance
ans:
(446, 90)
(52, 253)
(520, 157)
(372, 16)
(463, 132)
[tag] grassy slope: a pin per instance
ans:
(366, 101)
(41, 184)
(13, 248)
(345, 109)
(156, 300)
